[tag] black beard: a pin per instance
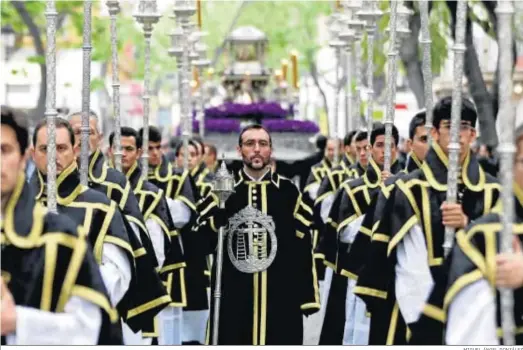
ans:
(249, 165)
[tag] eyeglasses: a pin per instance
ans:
(252, 143)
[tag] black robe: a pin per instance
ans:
(387, 326)
(351, 201)
(146, 306)
(103, 222)
(265, 308)
(470, 262)
(416, 200)
(178, 184)
(153, 205)
(37, 245)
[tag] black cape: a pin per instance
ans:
(28, 234)
(265, 308)
(416, 200)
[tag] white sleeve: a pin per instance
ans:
(326, 205)
(471, 318)
(348, 235)
(79, 324)
(313, 190)
(158, 240)
(116, 272)
(136, 231)
(180, 212)
(413, 279)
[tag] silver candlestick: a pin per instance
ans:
(148, 16)
(455, 123)
(86, 93)
(426, 42)
(507, 149)
(338, 46)
(114, 9)
(370, 14)
(358, 27)
(223, 187)
(50, 103)
(183, 10)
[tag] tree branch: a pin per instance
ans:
(39, 47)
(409, 49)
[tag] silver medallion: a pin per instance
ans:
(251, 242)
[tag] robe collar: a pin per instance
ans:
(23, 221)
(326, 163)
(162, 172)
(68, 185)
(347, 160)
(269, 176)
(413, 163)
(97, 167)
(198, 170)
(518, 193)
(134, 175)
(435, 169)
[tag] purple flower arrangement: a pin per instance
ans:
(227, 126)
(260, 110)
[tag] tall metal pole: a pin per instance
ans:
(507, 149)
(223, 187)
(148, 16)
(392, 71)
(454, 148)
(358, 27)
(183, 10)
(86, 93)
(426, 42)
(50, 103)
(337, 45)
(114, 10)
(347, 36)
(370, 14)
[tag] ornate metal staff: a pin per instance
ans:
(337, 45)
(86, 93)
(176, 51)
(347, 36)
(505, 12)
(183, 10)
(114, 10)
(454, 148)
(148, 16)
(201, 64)
(50, 103)
(223, 187)
(426, 63)
(357, 26)
(370, 14)
(398, 29)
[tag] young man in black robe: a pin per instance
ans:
(263, 306)
(335, 286)
(97, 214)
(347, 213)
(417, 215)
(164, 235)
(182, 195)
(45, 303)
(115, 186)
(387, 326)
(472, 305)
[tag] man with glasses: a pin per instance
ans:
(417, 213)
(265, 305)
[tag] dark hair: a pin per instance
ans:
(154, 134)
(361, 135)
(417, 121)
(443, 109)
(126, 131)
(212, 149)
(59, 123)
(347, 140)
(17, 120)
(321, 142)
(199, 140)
(173, 142)
(253, 127)
(180, 146)
(378, 129)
